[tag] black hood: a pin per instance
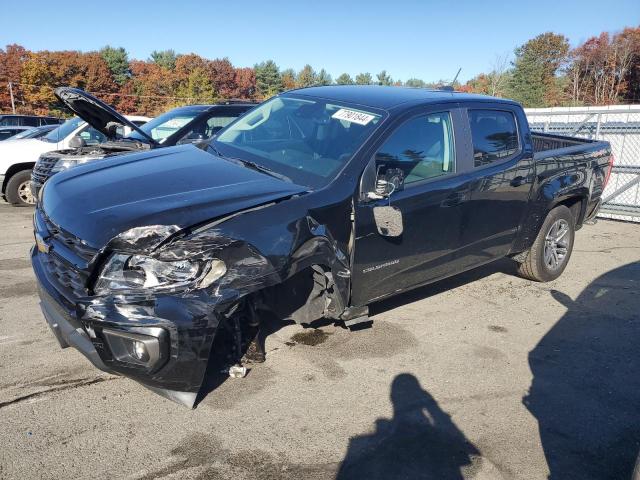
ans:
(176, 186)
(95, 112)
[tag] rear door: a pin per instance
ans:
(427, 147)
(503, 172)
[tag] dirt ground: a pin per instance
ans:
(483, 376)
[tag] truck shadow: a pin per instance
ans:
(585, 391)
(419, 441)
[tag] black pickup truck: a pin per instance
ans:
(313, 205)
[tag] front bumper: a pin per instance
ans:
(185, 326)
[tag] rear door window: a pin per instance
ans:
(494, 134)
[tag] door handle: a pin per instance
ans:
(518, 181)
(456, 198)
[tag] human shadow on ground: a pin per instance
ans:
(420, 441)
(585, 391)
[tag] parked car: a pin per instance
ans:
(18, 158)
(315, 204)
(34, 132)
(181, 125)
(13, 120)
(9, 132)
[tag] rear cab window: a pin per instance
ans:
(494, 135)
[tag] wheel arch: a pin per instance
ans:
(13, 169)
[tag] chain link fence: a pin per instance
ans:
(620, 126)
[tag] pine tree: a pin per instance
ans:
(364, 79)
(268, 79)
(118, 62)
(344, 79)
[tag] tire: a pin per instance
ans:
(549, 255)
(18, 191)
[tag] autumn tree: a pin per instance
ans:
(601, 70)
(117, 60)
(223, 77)
(12, 59)
(245, 83)
(364, 79)
(288, 78)
(344, 79)
(306, 77)
(164, 58)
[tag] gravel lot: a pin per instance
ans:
(482, 376)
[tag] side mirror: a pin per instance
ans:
(388, 220)
(192, 138)
(77, 142)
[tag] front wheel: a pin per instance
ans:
(549, 255)
(18, 190)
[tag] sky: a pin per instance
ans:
(408, 38)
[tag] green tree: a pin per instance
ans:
(534, 80)
(118, 61)
(307, 77)
(415, 83)
(164, 58)
(323, 78)
(344, 79)
(364, 79)
(384, 78)
(268, 79)
(197, 88)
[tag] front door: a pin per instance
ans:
(430, 206)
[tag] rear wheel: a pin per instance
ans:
(549, 255)
(18, 191)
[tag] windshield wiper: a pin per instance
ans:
(251, 165)
(262, 168)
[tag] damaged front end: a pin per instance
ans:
(150, 303)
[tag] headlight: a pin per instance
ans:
(65, 163)
(138, 272)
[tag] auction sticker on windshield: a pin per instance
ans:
(353, 116)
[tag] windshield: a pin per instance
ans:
(162, 127)
(63, 130)
(25, 134)
(308, 141)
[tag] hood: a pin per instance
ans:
(95, 112)
(176, 186)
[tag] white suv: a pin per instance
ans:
(17, 157)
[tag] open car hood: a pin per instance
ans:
(95, 112)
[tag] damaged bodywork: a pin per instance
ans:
(144, 261)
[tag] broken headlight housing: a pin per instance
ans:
(140, 272)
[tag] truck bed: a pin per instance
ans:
(546, 145)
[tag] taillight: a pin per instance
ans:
(607, 175)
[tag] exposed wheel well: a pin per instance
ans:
(576, 205)
(13, 169)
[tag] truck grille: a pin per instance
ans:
(69, 281)
(63, 266)
(71, 241)
(42, 169)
